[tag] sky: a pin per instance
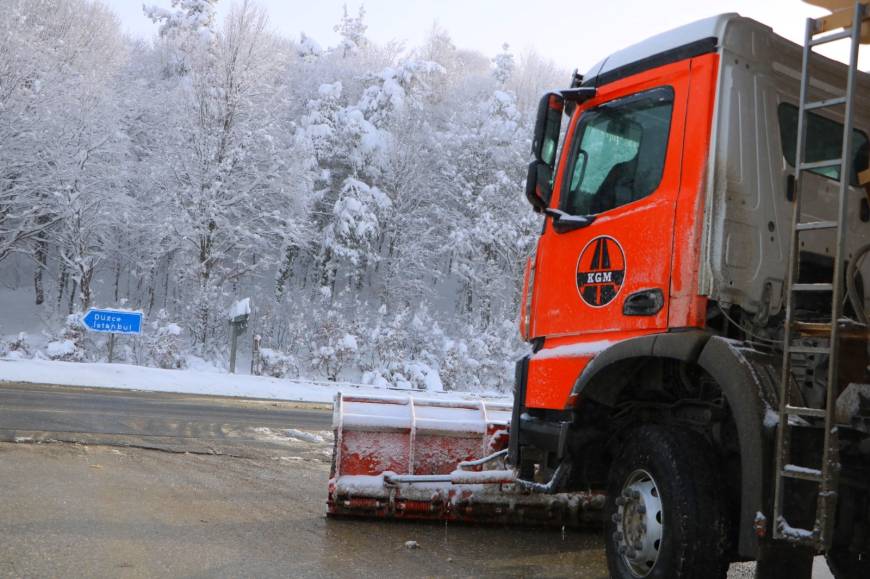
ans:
(578, 35)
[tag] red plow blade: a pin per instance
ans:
(411, 458)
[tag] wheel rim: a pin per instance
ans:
(639, 523)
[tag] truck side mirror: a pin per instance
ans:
(544, 144)
(539, 186)
(547, 127)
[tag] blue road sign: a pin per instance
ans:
(113, 321)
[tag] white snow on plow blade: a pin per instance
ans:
(372, 486)
(443, 415)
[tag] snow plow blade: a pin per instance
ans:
(409, 458)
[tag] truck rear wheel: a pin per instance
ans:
(845, 565)
(665, 512)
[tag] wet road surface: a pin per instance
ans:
(92, 511)
(179, 421)
(160, 485)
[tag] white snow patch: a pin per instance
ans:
(573, 350)
(60, 348)
(240, 308)
(188, 381)
(793, 532)
(802, 470)
(304, 436)
(172, 329)
(348, 342)
(433, 382)
(308, 47)
(771, 418)
(425, 414)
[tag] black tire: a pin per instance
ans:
(846, 557)
(674, 472)
(847, 565)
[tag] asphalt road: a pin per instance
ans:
(133, 484)
(164, 420)
(101, 483)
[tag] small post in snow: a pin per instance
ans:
(256, 361)
(239, 314)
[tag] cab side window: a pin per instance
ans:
(824, 142)
(618, 154)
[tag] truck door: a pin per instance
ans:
(621, 166)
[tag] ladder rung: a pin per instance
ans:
(802, 473)
(804, 411)
(832, 38)
(821, 164)
(812, 287)
(823, 330)
(823, 104)
(816, 225)
(809, 350)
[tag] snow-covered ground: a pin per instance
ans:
(125, 376)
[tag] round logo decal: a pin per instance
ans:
(600, 271)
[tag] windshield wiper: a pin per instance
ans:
(565, 222)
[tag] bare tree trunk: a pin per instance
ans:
(166, 282)
(62, 278)
(285, 272)
(328, 273)
(85, 288)
(117, 279)
(72, 295)
(203, 318)
(152, 290)
(151, 294)
(204, 276)
(40, 254)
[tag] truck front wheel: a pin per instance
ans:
(665, 512)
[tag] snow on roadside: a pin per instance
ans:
(128, 377)
(304, 436)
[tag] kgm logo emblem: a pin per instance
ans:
(600, 271)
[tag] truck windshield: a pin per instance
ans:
(618, 153)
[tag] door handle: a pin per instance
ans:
(647, 302)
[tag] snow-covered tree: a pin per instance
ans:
(372, 191)
(235, 187)
(352, 30)
(504, 65)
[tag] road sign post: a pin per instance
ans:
(113, 322)
(238, 315)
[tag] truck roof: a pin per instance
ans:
(728, 31)
(692, 39)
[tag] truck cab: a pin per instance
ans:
(655, 300)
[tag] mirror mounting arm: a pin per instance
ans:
(565, 222)
(579, 94)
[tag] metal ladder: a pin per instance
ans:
(826, 475)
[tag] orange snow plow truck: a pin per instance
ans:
(696, 314)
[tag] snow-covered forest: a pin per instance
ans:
(367, 197)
